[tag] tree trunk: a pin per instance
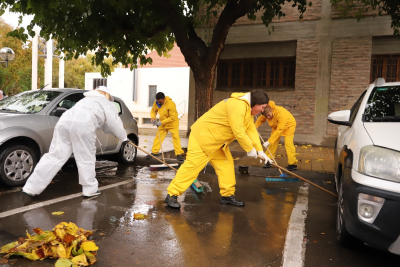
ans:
(204, 98)
(204, 89)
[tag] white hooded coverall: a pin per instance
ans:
(75, 132)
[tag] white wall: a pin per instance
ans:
(173, 82)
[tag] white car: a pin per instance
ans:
(367, 160)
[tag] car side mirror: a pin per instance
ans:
(340, 117)
(59, 111)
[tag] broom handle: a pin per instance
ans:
(153, 156)
(162, 152)
(269, 152)
(305, 180)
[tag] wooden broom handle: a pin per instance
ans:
(305, 180)
(152, 156)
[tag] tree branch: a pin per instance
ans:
(232, 11)
(182, 34)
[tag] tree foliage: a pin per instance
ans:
(17, 77)
(14, 78)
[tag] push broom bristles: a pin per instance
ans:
(197, 186)
(160, 167)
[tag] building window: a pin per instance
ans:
(99, 82)
(257, 73)
(147, 121)
(152, 94)
(385, 66)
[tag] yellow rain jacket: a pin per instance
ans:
(228, 120)
(168, 114)
(282, 124)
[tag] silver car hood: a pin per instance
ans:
(384, 134)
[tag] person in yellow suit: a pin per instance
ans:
(209, 140)
(168, 122)
(282, 123)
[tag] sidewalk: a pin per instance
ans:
(318, 159)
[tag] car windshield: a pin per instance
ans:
(383, 105)
(28, 102)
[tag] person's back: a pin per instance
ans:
(228, 120)
(91, 113)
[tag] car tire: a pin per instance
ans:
(127, 153)
(17, 163)
(343, 236)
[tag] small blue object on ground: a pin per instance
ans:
(282, 179)
(97, 193)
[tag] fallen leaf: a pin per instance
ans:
(138, 216)
(304, 147)
(296, 145)
(89, 246)
(307, 161)
(236, 158)
(310, 149)
(322, 233)
(315, 241)
(145, 140)
(320, 148)
(328, 182)
(144, 146)
(297, 154)
(309, 145)
(320, 160)
(57, 213)
(102, 234)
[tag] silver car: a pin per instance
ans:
(27, 122)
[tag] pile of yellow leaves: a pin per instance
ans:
(66, 242)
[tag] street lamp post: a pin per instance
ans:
(7, 54)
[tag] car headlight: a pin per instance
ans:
(380, 162)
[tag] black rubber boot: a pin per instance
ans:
(231, 200)
(149, 157)
(180, 157)
(267, 165)
(172, 201)
(291, 167)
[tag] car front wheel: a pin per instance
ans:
(343, 236)
(127, 153)
(16, 164)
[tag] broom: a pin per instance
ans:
(196, 185)
(281, 177)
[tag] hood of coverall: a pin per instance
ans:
(243, 96)
(95, 93)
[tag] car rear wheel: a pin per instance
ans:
(127, 153)
(16, 164)
(343, 236)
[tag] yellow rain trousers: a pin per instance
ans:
(170, 123)
(209, 140)
(282, 124)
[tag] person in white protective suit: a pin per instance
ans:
(75, 133)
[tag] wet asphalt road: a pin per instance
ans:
(202, 233)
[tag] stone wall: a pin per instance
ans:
(350, 73)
